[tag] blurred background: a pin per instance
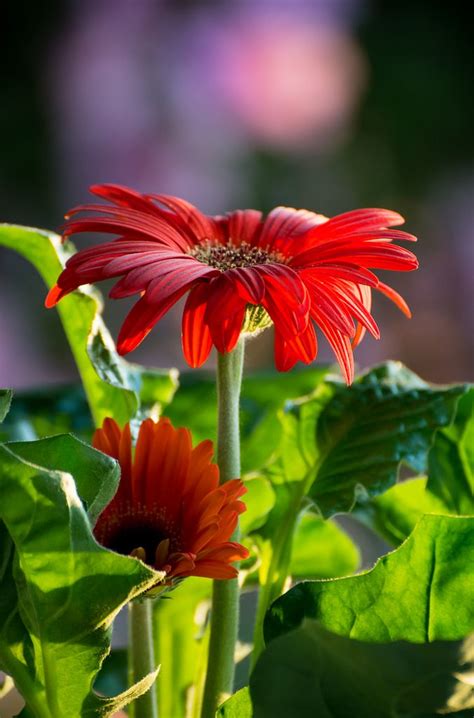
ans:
(325, 104)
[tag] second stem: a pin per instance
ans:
(225, 594)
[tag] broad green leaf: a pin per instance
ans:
(354, 439)
(261, 398)
(451, 461)
(59, 592)
(5, 401)
(110, 383)
(388, 643)
(340, 443)
(96, 475)
(181, 645)
(314, 672)
(449, 488)
(321, 549)
(237, 706)
(408, 596)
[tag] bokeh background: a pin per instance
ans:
(324, 104)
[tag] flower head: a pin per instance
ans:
(295, 269)
(169, 509)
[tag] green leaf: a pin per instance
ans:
(384, 644)
(111, 384)
(451, 461)
(449, 488)
(59, 592)
(338, 444)
(354, 439)
(5, 401)
(409, 594)
(321, 550)
(237, 706)
(96, 475)
(314, 672)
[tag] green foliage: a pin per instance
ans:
(111, 384)
(448, 489)
(381, 644)
(59, 590)
(451, 461)
(96, 475)
(353, 440)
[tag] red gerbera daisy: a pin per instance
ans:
(293, 269)
(169, 509)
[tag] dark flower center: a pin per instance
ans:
(139, 532)
(127, 541)
(229, 256)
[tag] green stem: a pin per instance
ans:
(142, 659)
(225, 594)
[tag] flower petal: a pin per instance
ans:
(303, 347)
(195, 335)
(160, 296)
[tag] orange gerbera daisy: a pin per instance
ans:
(169, 509)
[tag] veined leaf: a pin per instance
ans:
(110, 383)
(451, 461)
(449, 488)
(59, 592)
(353, 440)
(388, 643)
(386, 603)
(96, 475)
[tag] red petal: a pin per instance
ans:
(395, 297)
(241, 226)
(286, 299)
(225, 313)
(341, 346)
(286, 223)
(160, 296)
(196, 224)
(196, 337)
(248, 282)
(303, 348)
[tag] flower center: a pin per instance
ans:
(230, 256)
(138, 531)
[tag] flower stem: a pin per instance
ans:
(225, 594)
(141, 654)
